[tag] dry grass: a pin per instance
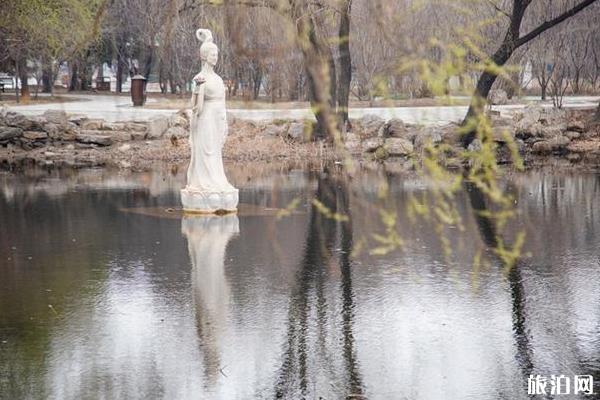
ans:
(246, 143)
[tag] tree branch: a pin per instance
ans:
(553, 22)
(497, 8)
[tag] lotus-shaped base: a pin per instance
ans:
(209, 202)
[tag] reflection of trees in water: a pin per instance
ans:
(489, 235)
(556, 197)
(324, 233)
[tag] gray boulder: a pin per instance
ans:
(395, 127)
(56, 117)
(352, 143)
(528, 127)
(180, 119)
(550, 145)
(531, 112)
(10, 132)
(398, 146)
(298, 132)
(91, 124)
(430, 134)
(37, 123)
(498, 97)
(475, 145)
(576, 126)
(573, 135)
(20, 121)
(137, 135)
(65, 132)
(116, 136)
(501, 131)
(89, 138)
(35, 135)
(125, 148)
(372, 144)
(112, 126)
(157, 127)
(136, 126)
(370, 126)
(275, 130)
(549, 132)
(450, 134)
(177, 131)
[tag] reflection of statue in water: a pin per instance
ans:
(207, 238)
(207, 187)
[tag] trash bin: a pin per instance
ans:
(138, 90)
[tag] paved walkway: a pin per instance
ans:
(109, 108)
(119, 108)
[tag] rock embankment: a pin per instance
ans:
(55, 139)
(56, 127)
(538, 132)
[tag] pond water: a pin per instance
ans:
(107, 293)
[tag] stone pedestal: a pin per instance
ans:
(205, 202)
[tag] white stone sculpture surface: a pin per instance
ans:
(208, 189)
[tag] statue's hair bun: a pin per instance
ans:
(204, 35)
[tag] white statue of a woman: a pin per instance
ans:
(208, 189)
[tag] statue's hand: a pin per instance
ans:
(199, 79)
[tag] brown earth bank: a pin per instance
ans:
(541, 135)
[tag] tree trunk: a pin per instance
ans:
(172, 85)
(345, 63)
(576, 82)
(148, 63)
(296, 88)
(512, 41)
(257, 77)
(120, 71)
(17, 73)
(482, 90)
(86, 76)
(74, 83)
(47, 76)
(544, 90)
(23, 76)
(321, 78)
(25, 93)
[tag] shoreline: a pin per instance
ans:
(54, 140)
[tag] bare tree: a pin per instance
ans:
(513, 39)
(579, 48)
(561, 69)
